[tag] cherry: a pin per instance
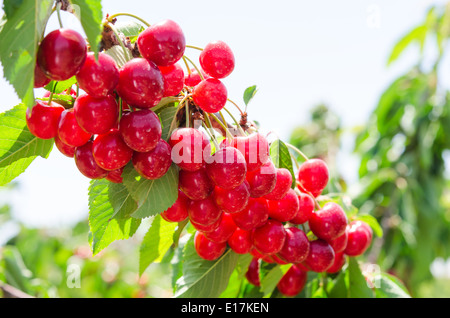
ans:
(285, 209)
(141, 130)
(217, 59)
(278, 260)
(40, 79)
(320, 257)
(255, 214)
(252, 273)
(313, 176)
(207, 228)
(338, 263)
(86, 164)
(195, 184)
(340, 243)
(262, 181)
(110, 151)
(305, 209)
(70, 132)
(155, 163)
(255, 149)
(207, 249)
(292, 282)
(269, 238)
(193, 77)
(232, 200)
(224, 231)
(329, 222)
(66, 150)
(162, 43)
(240, 241)
(61, 54)
(190, 148)
(210, 95)
(359, 238)
(203, 212)
(173, 79)
(96, 115)
(296, 246)
(141, 83)
(227, 168)
(115, 176)
(42, 120)
(282, 186)
(178, 211)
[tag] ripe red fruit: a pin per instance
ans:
(313, 176)
(207, 249)
(162, 43)
(329, 222)
(141, 83)
(217, 59)
(296, 246)
(282, 186)
(178, 211)
(240, 241)
(305, 209)
(255, 149)
(70, 132)
(255, 214)
(155, 163)
(98, 78)
(232, 200)
(96, 115)
(338, 263)
(86, 164)
(42, 120)
(173, 79)
(61, 54)
(252, 273)
(195, 184)
(262, 181)
(359, 238)
(210, 95)
(224, 231)
(110, 151)
(193, 78)
(227, 168)
(320, 257)
(141, 130)
(293, 282)
(340, 243)
(40, 79)
(190, 148)
(285, 209)
(115, 176)
(66, 150)
(269, 238)
(203, 212)
(207, 228)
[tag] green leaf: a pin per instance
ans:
(357, 284)
(415, 35)
(272, 277)
(18, 146)
(61, 86)
(281, 158)
(129, 28)
(372, 222)
(166, 117)
(156, 242)
(118, 55)
(90, 14)
(152, 196)
(19, 37)
(105, 203)
(339, 287)
(249, 93)
(389, 287)
(202, 278)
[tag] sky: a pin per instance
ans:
(298, 53)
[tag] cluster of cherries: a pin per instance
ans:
(234, 197)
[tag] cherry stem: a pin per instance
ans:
(187, 66)
(216, 144)
(297, 151)
(58, 13)
(111, 18)
(52, 93)
(174, 120)
(179, 230)
(120, 108)
(195, 66)
(241, 131)
(227, 132)
(236, 105)
(295, 161)
(194, 47)
(186, 105)
(116, 33)
(212, 135)
(316, 203)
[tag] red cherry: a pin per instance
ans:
(70, 132)
(153, 164)
(141, 130)
(66, 150)
(262, 181)
(329, 222)
(173, 79)
(305, 209)
(285, 209)
(86, 164)
(96, 115)
(207, 228)
(278, 260)
(98, 78)
(210, 95)
(338, 263)
(195, 184)
(320, 257)
(269, 238)
(42, 120)
(255, 149)
(110, 151)
(232, 200)
(359, 238)
(190, 148)
(313, 176)
(207, 249)
(115, 176)
(193, 78)
(178, 211)
(227, 168)
(61, 54)
(282, 186)
(225, 229)
(340, 243)
(240, 241)
(296, 246)
(203, 212)
(253, 215)
(141, 83)
(40, 79)
(252, 273)
(217, 59)
(292, 282)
